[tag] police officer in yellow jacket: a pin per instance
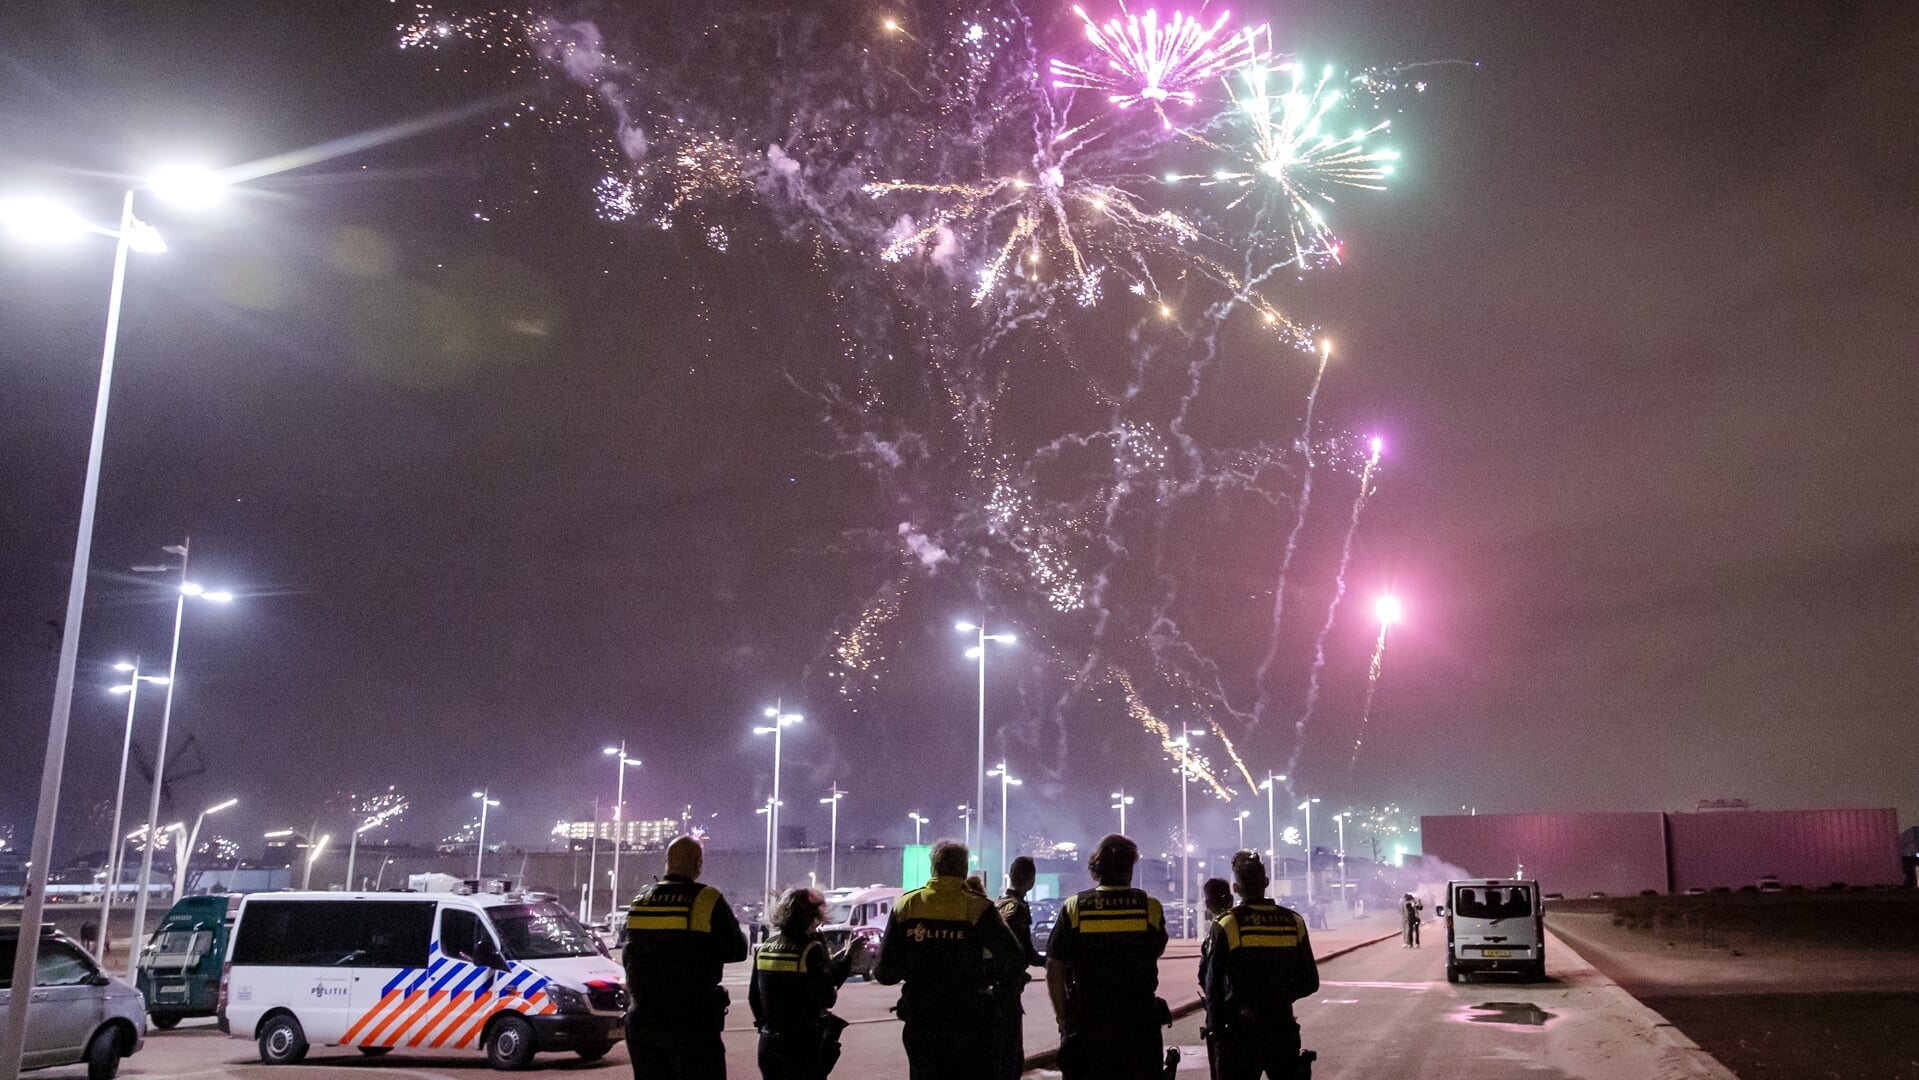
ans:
(949, 946)
(1009, 1042)
(795, 983)
(1102, 972)
(679, 936)
(1260, 962)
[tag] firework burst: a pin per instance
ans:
(1143, 61)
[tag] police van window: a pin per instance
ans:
(334, 933)
(460, 934)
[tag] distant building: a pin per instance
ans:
(644, 834)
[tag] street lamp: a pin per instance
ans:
(193, 841)
(1185, 742)
(1341, 820)
(1270, 785)
(33, 221)
(978, 652)
(966, 828)
(833, 849)
(186, 588)
(623, 763)
(381, 876)
(1308, 807)
(479, 856)
(353, 846)
(766, 864)
(1121, 801)
(1240, 820)
(1005, 780)
(114, 867)
(780, 719)
(306, 877)
(918, 820)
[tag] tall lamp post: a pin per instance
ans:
(187, 588)
(114, 868)
(1121, 801)
(966, 829)
(833, 845)
(1185, 743)
(918, 820)
(193, 841)
(1307, 806)
(1340, 819)
(1005, 780)
(485, 795)
(978, 652)
(45, 222)
(313, 856)
(1271, 784)
(619, 819)
(1240, 820)
(766, 864)
(780, 719)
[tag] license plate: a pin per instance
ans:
(1497, 954)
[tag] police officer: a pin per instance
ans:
(950, 947)
(1102, 972)
(679, 935)
(1217, 896)
(795, 982)
(1262, 962)
(1009, 1043)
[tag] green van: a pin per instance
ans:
(179, 969)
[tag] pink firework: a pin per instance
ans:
(1144, 60)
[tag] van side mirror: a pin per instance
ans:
(99, 979)
(1439, 910)
(488, 954)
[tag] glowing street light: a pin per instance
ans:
(479, 856)
(1307, 806)
(833, 848)
(781, 720)
(918, 820)
(193, 841)
(39, 220)
(619, 818)
(1121, 801)
(1240, 820)
(1005, 780)
(978, 652)
(313, 856)
(1341, 820)
(1269, 785)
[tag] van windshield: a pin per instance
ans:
(540, 932)
(838, 914)
(1495, 903)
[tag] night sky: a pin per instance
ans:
(499, 482)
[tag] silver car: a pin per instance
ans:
(79, 1012)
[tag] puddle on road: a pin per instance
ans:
(1511, 1013)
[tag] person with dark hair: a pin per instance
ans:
(1217, 895)
(795, 982)
(1009, 1039)
(949, 946)
(1409, 915)
(679, 937)
(1102, 973)
(1262, 962)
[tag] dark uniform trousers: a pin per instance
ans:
(1260, 961)
(1110, 939)
(680, 934)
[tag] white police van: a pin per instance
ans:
(509, 974)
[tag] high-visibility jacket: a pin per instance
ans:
(794, 983)
(1260, 962)
(949, 945)
(680, 934)
(1109, 941)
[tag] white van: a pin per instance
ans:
(510, 974)
(1494, 924)
(861, 913)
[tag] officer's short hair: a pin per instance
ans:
(1249, 873)
(1020, 873)
(950, 858)
(1113, 860)
(1217, 895)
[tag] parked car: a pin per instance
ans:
(79, 1013)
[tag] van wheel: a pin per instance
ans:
(509, 1046)
(164, 1021)
(282, 1041)
(1538, 971)
(1452, 974)
(103, 1055)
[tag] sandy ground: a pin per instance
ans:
(1796, 985)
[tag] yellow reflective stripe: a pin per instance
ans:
(1114, 926)
(657, 922)
(1070, 911)
(702, 910)
(1231, 925)
(764, 962)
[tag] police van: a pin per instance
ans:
(510, 974)
(1494, 924)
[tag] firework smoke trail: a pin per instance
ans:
(1332, 610)
(1292, 539)
(1388, 610)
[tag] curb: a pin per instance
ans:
(1048, 1059)
(1692, 1059)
